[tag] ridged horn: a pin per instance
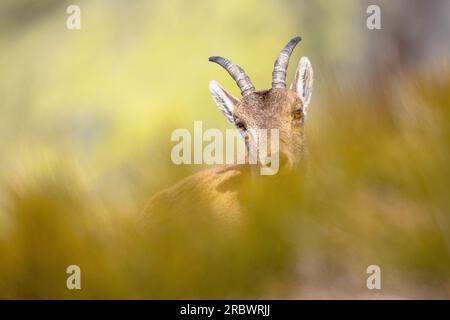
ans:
(237, 73)
(281, 64)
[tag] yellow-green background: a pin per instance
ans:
(85, 123)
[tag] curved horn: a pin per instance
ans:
(237, 73)
(281, 64)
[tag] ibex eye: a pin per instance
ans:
(297, 114)
(241, 126)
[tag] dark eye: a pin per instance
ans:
(241, 126)
(297, 114)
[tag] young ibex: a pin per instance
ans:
(217, 189)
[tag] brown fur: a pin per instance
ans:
(211, 190)
(273, 109)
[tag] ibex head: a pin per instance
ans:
(277, 108)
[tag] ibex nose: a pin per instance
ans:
(285, 160)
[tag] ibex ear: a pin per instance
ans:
(225, 101)
(303, 82)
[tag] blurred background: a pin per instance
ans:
(85, 123)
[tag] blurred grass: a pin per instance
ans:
(85, 123)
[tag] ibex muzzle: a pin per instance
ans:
(278, 108)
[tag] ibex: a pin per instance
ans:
(285, 109)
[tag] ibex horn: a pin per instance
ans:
(237, 73)
(281, 64)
